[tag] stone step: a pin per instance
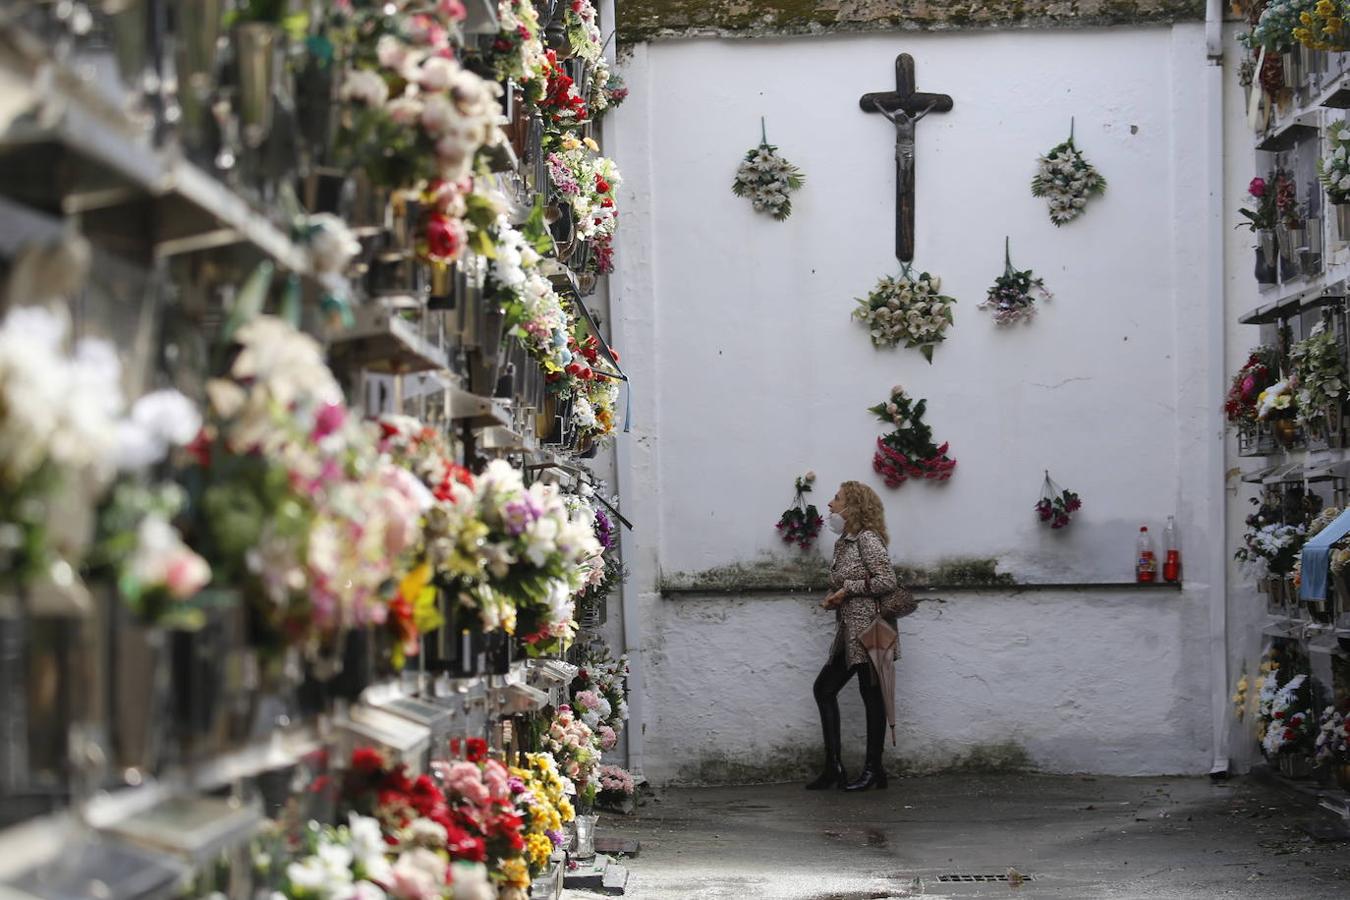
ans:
(617, 845)
(600, 875)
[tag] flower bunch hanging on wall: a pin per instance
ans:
(1057, 504)
(1334, 170)
(1319, 372)
(1067, 181)
(1014, 294)
(767, 179)
(908, 451)
(800, 523)
(910, 308)
(1259, 372)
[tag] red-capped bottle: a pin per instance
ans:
(1146, 561)
(1172, 561)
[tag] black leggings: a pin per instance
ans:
(831, 680)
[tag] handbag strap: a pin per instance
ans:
(867, 579)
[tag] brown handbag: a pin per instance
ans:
(898, 603)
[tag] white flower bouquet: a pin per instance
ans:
(910, 308)
(1334, 170)
(1067, 181)
(768, 179)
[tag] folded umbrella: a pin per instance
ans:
(880, 639)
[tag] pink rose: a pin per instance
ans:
(186, 574)
(1257, 188)
(330, 418)
(465, 779)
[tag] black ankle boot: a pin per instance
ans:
(833, 776)
(872, 776)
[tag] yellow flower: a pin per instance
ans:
(539, 848)
(565, 810)
(516, 873)
(1305, 18)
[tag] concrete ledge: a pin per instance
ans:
(694, 586)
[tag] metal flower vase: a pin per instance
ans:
(1289, 66)
(139, 693)
(1340, 579)
(457, 647)
(1295, 765)
(131, 41)
(199, 27)
(316, 90)
(1291, 241)
(1267, 256)
(1343, 221)
(256, 47)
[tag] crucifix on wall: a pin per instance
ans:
(904, 107)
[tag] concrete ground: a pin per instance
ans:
(1078, 837)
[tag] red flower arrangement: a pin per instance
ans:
(562, 103)
(909, 451)
(1057, 504)
(800, 523)
(373, 788)
(1259, 372)
(485, 821)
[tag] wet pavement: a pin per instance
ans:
(1076, 837)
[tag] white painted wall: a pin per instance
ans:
(748, 369)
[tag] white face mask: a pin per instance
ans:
(836, 523)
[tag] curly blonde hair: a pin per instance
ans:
(863, 510)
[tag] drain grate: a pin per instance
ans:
(967, 878)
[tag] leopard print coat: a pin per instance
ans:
(862, 569)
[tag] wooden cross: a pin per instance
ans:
(904, 107)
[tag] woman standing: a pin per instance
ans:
(860, 576)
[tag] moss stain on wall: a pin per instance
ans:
(812, 575)
(645, 20)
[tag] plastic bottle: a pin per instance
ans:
(1172, 561)
(1146, 561)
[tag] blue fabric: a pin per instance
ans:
(1317, 558)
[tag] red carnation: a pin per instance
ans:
(475, 750)
(367, 760)
(445, 237)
